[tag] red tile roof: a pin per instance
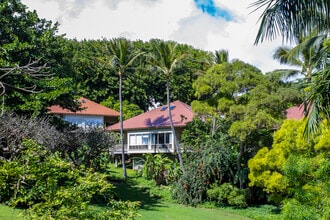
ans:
(158, 118)
(295, 112)
(89, 108)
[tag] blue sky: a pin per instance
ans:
(209, 7)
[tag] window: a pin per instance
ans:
(145, 139)
(161, 138)
(139, 139)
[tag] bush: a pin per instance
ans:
(89, 148)
(51, 188)
(14, 129)
(227, 194)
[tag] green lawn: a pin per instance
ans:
(170, 211)
(156, 203)
(7, 213)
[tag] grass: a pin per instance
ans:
(156, 203)
(7, 213)
(172, 211)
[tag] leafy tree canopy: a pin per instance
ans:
(26, 39)
(295, 171)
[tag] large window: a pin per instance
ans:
(153, 138)
(161, 138)
(139, 139)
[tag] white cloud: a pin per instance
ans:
(163, 19)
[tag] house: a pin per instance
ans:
(295, 112)
(150, 132)
(91, 115)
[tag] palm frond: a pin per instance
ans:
(289, 18)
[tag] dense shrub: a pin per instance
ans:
(210, 160)
(14, 129)
(89, 148)
(295, 171)
(227, 194)
(51, 188)
(160, 168)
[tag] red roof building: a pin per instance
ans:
(91, 114)
(158, 118)
(150, 132)
(295, 112)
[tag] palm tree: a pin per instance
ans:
(221, 56)
(291, 18)
(300, 18)
(319, 102)
(307, 56)
(122, 56)
(166, 59)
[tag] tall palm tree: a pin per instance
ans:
(122, 57)
(291, 18)
(221, 56)
(300, 18)
(306, 56)
(309, 56)
(166, 59)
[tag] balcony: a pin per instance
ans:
(143, 149)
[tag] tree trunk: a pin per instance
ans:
(3, 105)
(239, 168)
(176, 143)
(122, 127)
(214, 125)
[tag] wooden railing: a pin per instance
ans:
(141, 149)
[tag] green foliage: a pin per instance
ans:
(159, 168)
(51, 188)
(28, 43)
(227, 194)
(251, 103)
(295, 172)
(129, 110)
(89, 148)
(209, 160)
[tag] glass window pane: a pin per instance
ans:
(138, 139)
(153, 138)
(145, 139)
(168, 138)
(132, 139)
(161, 138)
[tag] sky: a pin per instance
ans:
(204, 24)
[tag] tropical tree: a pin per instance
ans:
(307, 56)
(221, 56)
(27, 45)
(300, 18)
(166, 59)
(209, 108)
(122, 57)
(294, 171)
(251, 102)
(291, 18)
(211, 159)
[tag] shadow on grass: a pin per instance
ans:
(132, 191)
